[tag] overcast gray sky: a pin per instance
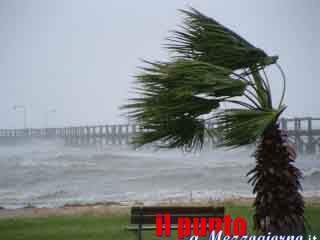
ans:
(78, 57)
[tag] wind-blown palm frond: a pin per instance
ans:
(174, 97)
(183, 132)
(239, 127)
(187, 77)
(204, 39)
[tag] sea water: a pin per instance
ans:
(50, 174)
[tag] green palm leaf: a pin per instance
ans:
(204, 39)
(187, 77)
(175, 96)
(239, 127)
(182, 132)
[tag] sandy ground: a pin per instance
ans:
(111, 208)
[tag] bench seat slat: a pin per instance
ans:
(173, 218)
(147, 227)
(175, 210)
(147, 215)
(151, 227)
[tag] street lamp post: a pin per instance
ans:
(23, 107)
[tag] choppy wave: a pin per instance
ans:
(312, 172)
(46, 174)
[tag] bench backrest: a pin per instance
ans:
(147, 215)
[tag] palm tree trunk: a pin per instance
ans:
(279, 204)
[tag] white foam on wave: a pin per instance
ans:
(311, 172)
(46, 174)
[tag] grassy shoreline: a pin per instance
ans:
(108, 207)
(105, 222)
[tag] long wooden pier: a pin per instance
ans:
(303, 132)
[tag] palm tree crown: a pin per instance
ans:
(212, 65)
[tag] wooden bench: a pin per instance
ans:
(144, 218)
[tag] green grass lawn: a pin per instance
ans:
(106, 227)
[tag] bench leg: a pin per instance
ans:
(140, 232)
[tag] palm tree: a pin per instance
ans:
(211, 65)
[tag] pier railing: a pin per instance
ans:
(303, 132)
